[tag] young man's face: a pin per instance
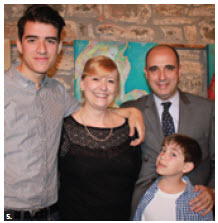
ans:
(170, 161)
(163, 72)
(39, 48)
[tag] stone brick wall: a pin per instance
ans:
(184, 24)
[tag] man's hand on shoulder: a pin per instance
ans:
(204, 201)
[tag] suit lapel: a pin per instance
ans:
(152, 117)
(184, 113)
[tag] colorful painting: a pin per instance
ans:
(130, 59)
(211, 71)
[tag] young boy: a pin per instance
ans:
(168, 197)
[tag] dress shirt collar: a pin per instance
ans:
(23, 80)
(174, 100)
(174, 108)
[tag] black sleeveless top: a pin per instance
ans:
(96, 178)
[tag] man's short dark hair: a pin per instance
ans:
(41, 13)
(190, 147)
(170, 47)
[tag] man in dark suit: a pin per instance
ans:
(192, 115)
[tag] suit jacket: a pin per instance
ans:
(196, 119)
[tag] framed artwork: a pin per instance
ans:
(130, 59)
(211, 70)
(7, 54)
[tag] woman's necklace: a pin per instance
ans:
(94, 137)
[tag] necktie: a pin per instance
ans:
(167, 120)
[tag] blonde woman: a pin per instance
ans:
(98, 167)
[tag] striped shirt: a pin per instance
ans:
(33, 124)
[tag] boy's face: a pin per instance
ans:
(170, 161)
(39, 48)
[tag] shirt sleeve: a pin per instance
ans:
(71, 104)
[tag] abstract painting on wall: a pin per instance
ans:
(211, 71)
(130, 59)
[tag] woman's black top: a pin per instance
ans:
(96, 178)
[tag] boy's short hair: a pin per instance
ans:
(190, 147)
(41, 13)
